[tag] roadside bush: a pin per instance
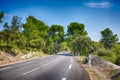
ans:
(64, 46)
(117, 61)
(102, 52)
(110, 56)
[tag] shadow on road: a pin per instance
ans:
(1, 79)
(65, 54)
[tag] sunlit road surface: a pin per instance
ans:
(55, 67)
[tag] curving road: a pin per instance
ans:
(55, 67)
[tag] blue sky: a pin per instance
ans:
(95, 14)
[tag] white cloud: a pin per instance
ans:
(98, 4)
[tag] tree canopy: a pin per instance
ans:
(108, 38)
(1, 16)
(82, 45)
(56, 32)
(76, 28)
(35, 32)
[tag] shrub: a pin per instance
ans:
(117, 61)
(102, 52)
(110, 56)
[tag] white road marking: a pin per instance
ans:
(38, 67)
(51, 62)
(55, 59)
(5, 68)
(70, 66)
(30, 71)
(46, 64)
(63, 78)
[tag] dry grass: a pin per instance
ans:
(6, 58)
(94, 73)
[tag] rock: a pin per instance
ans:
(98, 61)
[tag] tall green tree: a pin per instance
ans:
(108, 38)
(15, 24)
(6, 33)
(1, 16)
(12, 33)
(36, 32)
(15, 29)
(56, 32)
(49, 47)
(75, 30)
(56, 35)
(1, 33)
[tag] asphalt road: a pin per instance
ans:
(55, 67)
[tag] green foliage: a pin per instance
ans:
(1, 16)
(14, 30)
(6, 33)
(49, 45)
(116, 49)
(37, 43)
(21, 41)
(108, 48)
(112, 55)
(102, 52)
(69, 40)
(82, 45)
(108, 38)
(10, 33)
(35, 31)
(77, 40)
(56, 32)
(76, 28)
(117, 52)
(56, 48)
(117, 61)
(108, 55)
(64, 46)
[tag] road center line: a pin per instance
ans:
(5, 68)
(55, 60)
(50, 62)
(63, 79)
(30, 71)
(70, 66)
(46, 64)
